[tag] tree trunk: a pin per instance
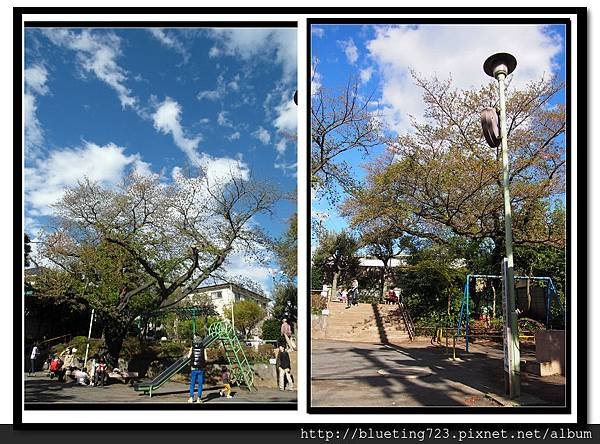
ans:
(382, 289)
(333, 285)
(114, 335)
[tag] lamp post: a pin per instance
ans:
(499, 66)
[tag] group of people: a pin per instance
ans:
(349, 295)
(66, 364)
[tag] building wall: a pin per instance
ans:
(224, 297)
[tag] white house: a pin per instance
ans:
(224, 295)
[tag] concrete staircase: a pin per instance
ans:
(371, 323)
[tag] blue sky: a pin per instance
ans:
(381, 56)
(103, 102)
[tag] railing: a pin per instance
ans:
(410, 327)
(50, 342)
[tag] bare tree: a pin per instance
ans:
(340, 122)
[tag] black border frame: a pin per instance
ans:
(581, 80)
(18, 424)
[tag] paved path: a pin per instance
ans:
(414, 374)
(42, 389)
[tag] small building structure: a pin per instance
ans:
(224, 295)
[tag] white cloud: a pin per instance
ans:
(262, 135)
(286, 120)
(167, 119)
(365, 74)
(318, 32)
(350, 50)
(315, 77)
(169, 40)
(222, 119)
(35, 84)
(285, 167)
(34, 134)
(221, 89)
(252, 43)
(280, 147)
(47, 180)
(240, 264)
(97, 53)
(432, 50)
(35, 79)
(234, 136)
(222, 169)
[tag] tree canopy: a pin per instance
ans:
(442, 179)
(145, 245)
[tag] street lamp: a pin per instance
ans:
(499, 66)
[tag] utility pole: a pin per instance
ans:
(499, 66)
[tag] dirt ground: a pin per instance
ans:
(42, 389)
(419, 374)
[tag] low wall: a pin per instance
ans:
(550, 347)
(318, 326)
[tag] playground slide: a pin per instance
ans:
(173, 369)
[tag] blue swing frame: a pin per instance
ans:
(464, 308)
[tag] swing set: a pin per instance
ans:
(550, 292)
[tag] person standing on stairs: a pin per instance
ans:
(353, 294)
(197, 357)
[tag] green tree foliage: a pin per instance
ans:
(286, 302)
(27, 251)
(441, 179)
(246, 314)
(287, 249)
(431, 285)
(271, 330)
(335, 256)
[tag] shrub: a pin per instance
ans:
(271, 330)
(317, 303)
(169, 349)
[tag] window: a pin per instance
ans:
(216, 294)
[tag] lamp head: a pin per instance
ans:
(498, 63)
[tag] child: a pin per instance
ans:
(226, 391)
(55, 366)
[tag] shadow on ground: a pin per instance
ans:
(419, 374)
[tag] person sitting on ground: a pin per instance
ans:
(226, 380)
(80, 376)
(197, 355)
(285, 369)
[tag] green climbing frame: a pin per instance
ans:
(240, 368)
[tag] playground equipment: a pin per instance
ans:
(464, 309)
(241, 371)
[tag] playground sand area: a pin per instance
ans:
(350, 374)
(40, 389)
